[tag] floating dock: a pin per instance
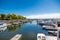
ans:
(51, 38)
(16, 37)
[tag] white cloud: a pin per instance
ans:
(44, 16)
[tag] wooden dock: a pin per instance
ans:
(51, 38)
(16, 37)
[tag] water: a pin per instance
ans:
(28, 31)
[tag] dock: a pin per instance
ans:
(53, 32)
(51, 38)
(16, 37)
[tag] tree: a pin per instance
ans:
(3, 16)
(11, 17)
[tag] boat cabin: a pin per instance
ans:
(58, 29)
(41, 36)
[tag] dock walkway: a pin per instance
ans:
(51, 38)
(16, 37)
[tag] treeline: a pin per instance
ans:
(11, 17)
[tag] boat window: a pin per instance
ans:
(58, 24)
(39, 36)
(59, 34)
(43, 38)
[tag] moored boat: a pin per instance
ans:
(41, 36)
(3, 26)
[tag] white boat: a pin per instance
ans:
(49, 27)
(3, 26)
(41, 36)
(17, 22)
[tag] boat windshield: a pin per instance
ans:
(58, 24)
(43, 38)
(39, 37)
(59, 34)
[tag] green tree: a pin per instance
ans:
(8, 17)
(3, 16)
(11, 17)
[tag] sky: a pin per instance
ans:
(30, 8)
(45, 16)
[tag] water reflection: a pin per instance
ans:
(3, 29)
(13, 27)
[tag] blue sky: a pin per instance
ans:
(30, 7)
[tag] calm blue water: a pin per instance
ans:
(28, 31)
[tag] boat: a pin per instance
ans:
(52, 32)
(15, 23)
(3, 26)
(48, 27)
(16, 37)
(53, 27)
(3, 29)
(41, 36)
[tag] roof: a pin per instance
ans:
(40, 34)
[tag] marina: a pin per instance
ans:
(29, 29)
(29, 19)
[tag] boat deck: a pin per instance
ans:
(16, 37)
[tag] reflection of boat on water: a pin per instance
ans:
(3, 26)
(41, 36)
(13, 27)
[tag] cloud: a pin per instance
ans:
(44, 16)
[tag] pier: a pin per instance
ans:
(53, 32)
(51, 38)
(16, 37)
